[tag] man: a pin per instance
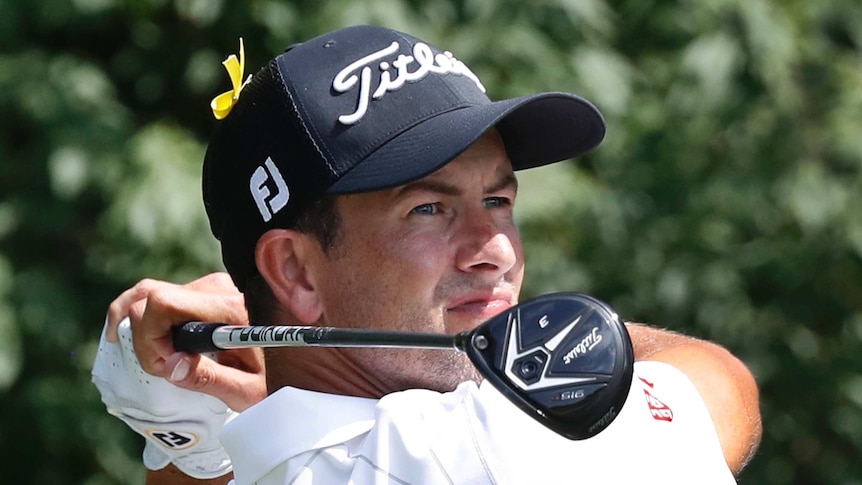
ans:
(363, 179)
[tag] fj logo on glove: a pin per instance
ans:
(174, 440)
(264, 177)
(394, 74)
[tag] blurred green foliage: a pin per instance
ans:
(725, 202)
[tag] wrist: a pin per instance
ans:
(180, 426)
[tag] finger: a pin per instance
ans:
(133, 300)
(220, 282)
(248, 360)
(121, 306)
(236, 388)
(214, 283)
(168, 307)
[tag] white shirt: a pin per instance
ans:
(474, 435)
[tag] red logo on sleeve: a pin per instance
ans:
(658, 409)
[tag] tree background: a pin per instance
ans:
(724, 203)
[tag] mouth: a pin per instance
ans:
(481, 304)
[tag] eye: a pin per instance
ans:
(425, 210)
(497, 202)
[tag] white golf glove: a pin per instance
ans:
(180, 426)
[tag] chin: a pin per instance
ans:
(446, 374)
(457, 323)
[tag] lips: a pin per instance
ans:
(483, 304)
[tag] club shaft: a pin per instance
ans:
(207, 337)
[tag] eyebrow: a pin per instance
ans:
(438, 186)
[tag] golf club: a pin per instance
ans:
(564, 358)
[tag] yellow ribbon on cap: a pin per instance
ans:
(223, 103)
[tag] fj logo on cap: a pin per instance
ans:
(263, 177)
(395, 74)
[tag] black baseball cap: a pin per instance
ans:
(360, 109)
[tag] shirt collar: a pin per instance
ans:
(289, 422)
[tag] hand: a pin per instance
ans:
(236, 377)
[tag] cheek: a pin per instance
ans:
(514, 236)
(395, 265)
(431, 247)
(517, 272)
(384, 283)
(416, 261)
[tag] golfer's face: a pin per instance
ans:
(441, 254)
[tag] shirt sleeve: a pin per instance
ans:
(663, 434)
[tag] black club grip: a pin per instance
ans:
(195, 337)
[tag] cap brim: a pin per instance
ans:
(536, 130)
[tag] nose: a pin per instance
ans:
(488, 247)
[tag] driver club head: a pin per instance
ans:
(566, 359)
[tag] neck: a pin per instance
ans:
(320, 369)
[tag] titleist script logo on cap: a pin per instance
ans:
(394, 74)
(424, 59)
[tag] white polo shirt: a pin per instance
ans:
(473, 435)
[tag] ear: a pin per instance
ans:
(282, 256)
